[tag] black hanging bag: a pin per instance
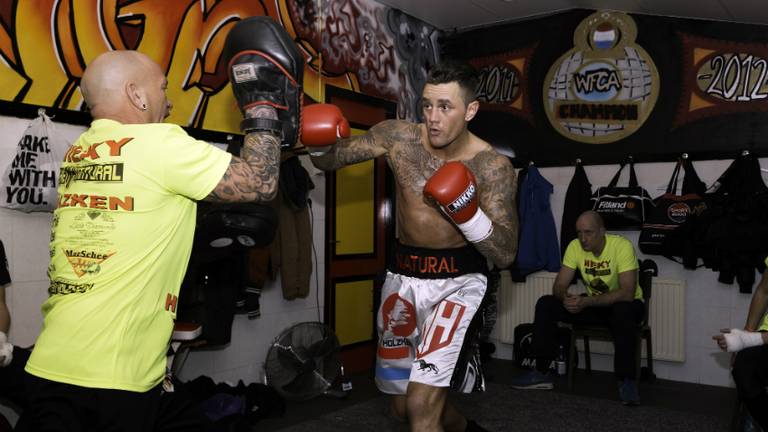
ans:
(660, 233)
(622, 207)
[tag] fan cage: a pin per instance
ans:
(289, 354)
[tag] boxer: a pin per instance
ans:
(455, 211)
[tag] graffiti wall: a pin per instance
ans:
(358, 45)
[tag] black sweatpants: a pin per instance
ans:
(750, 373)
(12, 379)
(621, 317)
(63, 407)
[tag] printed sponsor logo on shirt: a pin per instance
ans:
(597, 268)
(112, 172)
(64, 288)
(96, 201)
(77, 153)
(86, 262)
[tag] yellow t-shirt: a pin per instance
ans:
(120, 242)
(601, 274)
(764, 325)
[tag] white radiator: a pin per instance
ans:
(517, 302)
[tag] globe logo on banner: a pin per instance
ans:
(604, 88)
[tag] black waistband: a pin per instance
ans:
(436, 263)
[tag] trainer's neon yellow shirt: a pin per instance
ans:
(120, 242)
(601, 274)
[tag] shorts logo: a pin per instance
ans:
(399, 321)
(426, 264)
(439, 333)
(427, 367)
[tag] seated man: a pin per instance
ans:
(750, 366)
(608, 266)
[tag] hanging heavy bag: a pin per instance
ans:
(622, 207)
(659, 235)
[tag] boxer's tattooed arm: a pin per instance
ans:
(253, 176)
(497, 183)
(378, 140)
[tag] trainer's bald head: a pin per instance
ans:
(115, 85)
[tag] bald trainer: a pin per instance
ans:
(120, 242)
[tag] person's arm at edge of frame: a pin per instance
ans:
(758, 305)
(757, 309)
(5, 315)
(499, 184)
(6, 348)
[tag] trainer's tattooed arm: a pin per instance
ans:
(375, 142)
(497, 183)
(253, 176)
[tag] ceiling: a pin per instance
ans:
(462, 15)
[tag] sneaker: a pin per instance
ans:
(628, 393)
(533, 380)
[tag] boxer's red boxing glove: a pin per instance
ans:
(321, 125)
(454, 188)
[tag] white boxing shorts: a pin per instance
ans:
(427, 322)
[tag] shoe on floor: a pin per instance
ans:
(533, 380)
(628, 392)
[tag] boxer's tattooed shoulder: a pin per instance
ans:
(254, 175)
(497, 185)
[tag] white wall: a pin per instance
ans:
(710, 305)
(26, 236)
(243, 359)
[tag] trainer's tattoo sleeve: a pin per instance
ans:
(253, 176)
(377, 141)
(497, 183)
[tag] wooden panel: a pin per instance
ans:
(355, 223)
(354, 311)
